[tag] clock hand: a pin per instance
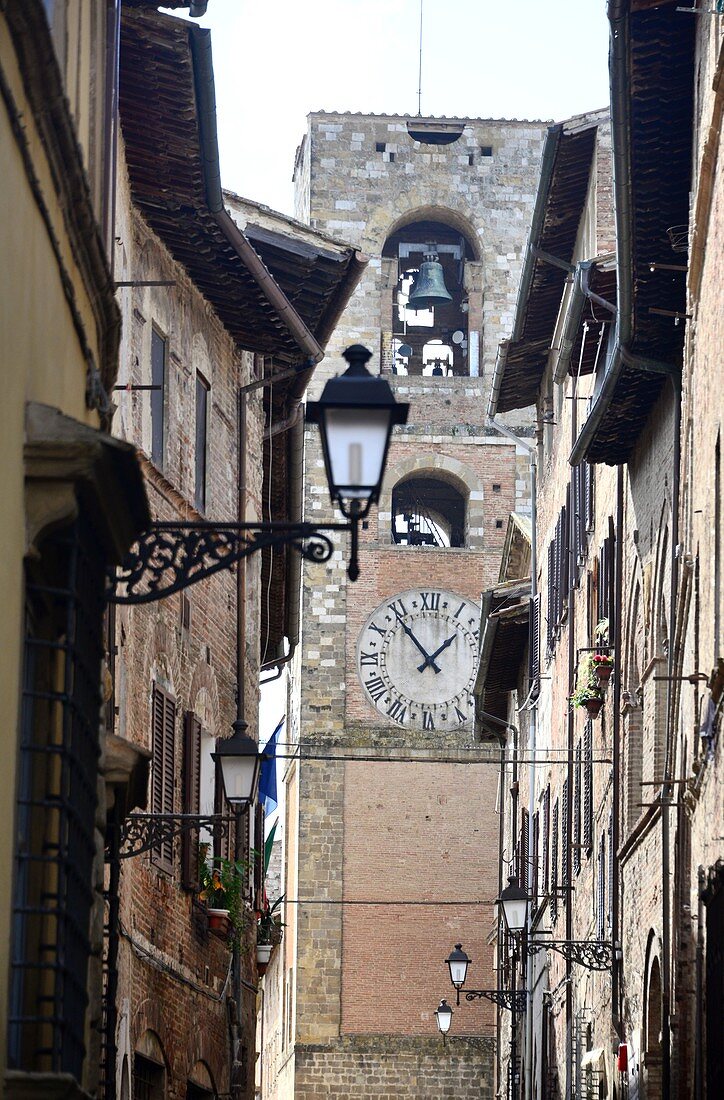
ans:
(430, 660)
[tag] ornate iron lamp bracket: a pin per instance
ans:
(593, 954)
(513, 1000)
(172, 556)
(143, 832)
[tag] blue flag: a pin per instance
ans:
(268, 777)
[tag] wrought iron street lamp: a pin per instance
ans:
(458, 963)
(513, 902)
(514, 1000)
(356, 414)
(240, 762)
(443, 1016)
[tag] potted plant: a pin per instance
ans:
(602, 667)
(268, 932)
(588, 691)
(222, 885)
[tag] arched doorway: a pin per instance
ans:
(652, 1049)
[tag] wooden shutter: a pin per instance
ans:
(525, 871)
(223, 846)
(565, 834)
(534, 860)
(191, 799)
(551, 609)
(565, 550)
(534, 645)
(587, 838)
(546, 839)
(588, 489)
(609, 834)
(163, 739)
(258, 856)
(554, 862)
(577, 521)
(577, 783)
(601, 891)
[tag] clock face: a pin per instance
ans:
(417, 658)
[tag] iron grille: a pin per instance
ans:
(56, 804)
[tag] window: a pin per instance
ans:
(534, 645)
(427, 511)
(565, 834)
(601, 890)
(558, 575)
(191, 799)
(587, 825)
(577, 823)
(554, 863)
(55, 845)
(202, 422)
(546, 839)
(163, 750)
(435, 339)
(486, 150)
(159, 359)
(380, 147)
(149, 1079)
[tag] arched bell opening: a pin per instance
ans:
(429, 303)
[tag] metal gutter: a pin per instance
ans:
(200, 39)
(580, 291)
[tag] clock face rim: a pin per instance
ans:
(396, 703)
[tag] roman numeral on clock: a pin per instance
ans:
(376, 687)
(397, 710)
(460, 716)
(427, 720)
(369, 659)
(377, 629)
(397, 607)
(430, 601)
(456, 614)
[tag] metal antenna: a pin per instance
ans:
(419, 82)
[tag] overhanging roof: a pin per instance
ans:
(652, 86)
(505, 611)
(565, 173)
(168, 120)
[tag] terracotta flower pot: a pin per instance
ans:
(603, 672)
(219, 922)
(593, 706)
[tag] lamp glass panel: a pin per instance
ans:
(356, 444)
(515, 913)
(239, 775)
(458, 970)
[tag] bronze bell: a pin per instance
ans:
(428, 289)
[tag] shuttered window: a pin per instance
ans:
(582, 519)
(558, 576)
(601, 890)
(162, 767)
(565, 833)
(524, 874)
(223, 845)
(587, 838)
(534, 646)
(534, 861)
(191, 799)
(554, 862)
(609, 834)
(577, 783)
(546, 839)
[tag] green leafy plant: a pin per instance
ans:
(587, 687)
(222, 886)
(269, 923)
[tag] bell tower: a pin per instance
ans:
(391, 804)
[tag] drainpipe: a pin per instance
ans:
(666, 788)
(616, 1014)
(533, 720)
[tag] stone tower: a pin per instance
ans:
(394, 856)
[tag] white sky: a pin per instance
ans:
(275, 61)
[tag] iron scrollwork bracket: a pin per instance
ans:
(143, 832)
(512, 1000)
(170, 556)
(593, 954)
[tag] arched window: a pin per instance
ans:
(200, 1084)
(427, 511)
(431, 342)
(149, 1068)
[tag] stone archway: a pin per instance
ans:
(652, 1045)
